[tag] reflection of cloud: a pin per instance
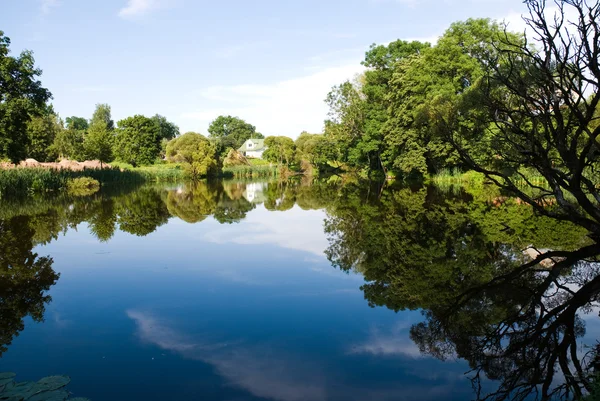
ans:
(393, 342)
(258, 371)
(294, 229)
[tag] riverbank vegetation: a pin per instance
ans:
(480, 99)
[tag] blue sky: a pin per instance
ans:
(270, 62)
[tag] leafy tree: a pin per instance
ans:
(168, 130)
(21, 96)
(316, 149)
(137, 140)
(101, 116)
(280, 150)
(231, 132)
(41, 132)
(78, 123)
(198, 154)
(68, 143)
(429, 85)
(540, 105)
(99, 140)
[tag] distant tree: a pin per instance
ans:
(21, 96)
(99, 140)
(78, 123)
(316, 149)
(68, 144)
(232, 132)
(198, 155)
(102, 115)
(136, 141)
(41, 132)
(167, 130)
(280, 150)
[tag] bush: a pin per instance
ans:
(82, 186)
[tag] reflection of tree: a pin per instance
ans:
(232, 207)
(193, 203)
(515, 322)
(533, 339)
(103, 221)
(142, 212)
(281, 196)
(24, 279)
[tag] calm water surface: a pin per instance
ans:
(251, 291)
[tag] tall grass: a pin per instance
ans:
(25, 181)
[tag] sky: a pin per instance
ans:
(269, 62)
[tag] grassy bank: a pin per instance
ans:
(25, 181)
(167, 172)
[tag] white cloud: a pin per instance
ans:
(47, 5)
(136, 8)
(286, 107)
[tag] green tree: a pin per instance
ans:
(78, 123)
(21, 96)
(167, 129)
(137, 140)
(316, 149)
(102, 115)
(231, 132)
(41, 132)
(539, 112)
(68, 144)
(99, 140)
(198, 155)
(280, 150)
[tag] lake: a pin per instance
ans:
(322, 290)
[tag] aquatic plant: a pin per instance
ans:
(51, 388)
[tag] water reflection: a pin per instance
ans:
(458, 257)
(514, 320)
(24, 277)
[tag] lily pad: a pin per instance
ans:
(55, 395)
(51, 383)
(18, 392)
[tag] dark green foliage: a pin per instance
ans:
(167, 130)
(231, 132)
(42, 131)
(21, 96)
(98, 144)
(137, 140)
(78, 123)
(280, 150)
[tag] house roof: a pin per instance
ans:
(258, 144)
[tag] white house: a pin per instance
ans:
(253, 148)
